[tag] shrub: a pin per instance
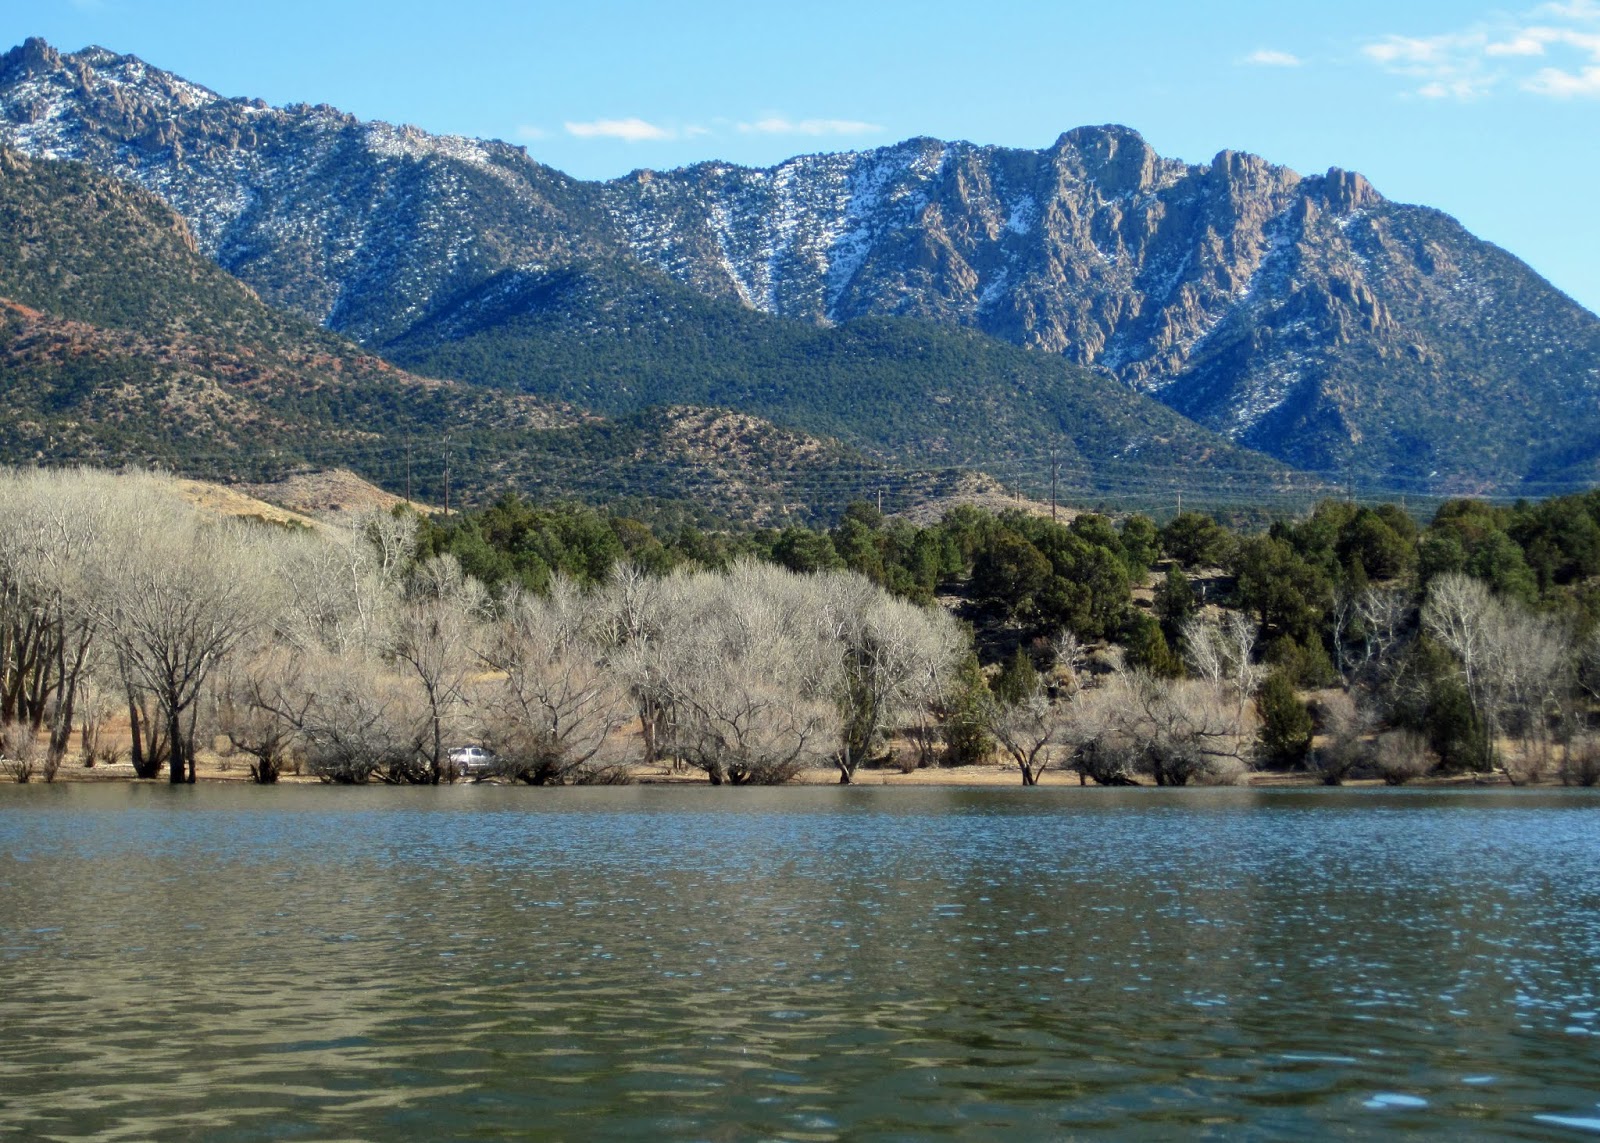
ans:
(1581, 766)
(1403, 755)
(19, 752)
(1345, 749)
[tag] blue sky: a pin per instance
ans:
(1490, 112)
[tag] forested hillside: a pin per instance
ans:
(119, 343)
(617, 340)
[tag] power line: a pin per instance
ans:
(1118, 478)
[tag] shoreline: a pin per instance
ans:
(212, 770)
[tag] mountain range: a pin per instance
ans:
(974, 305)
(120, 343)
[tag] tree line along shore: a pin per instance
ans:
(583, 647)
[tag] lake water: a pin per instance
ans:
(656, 963)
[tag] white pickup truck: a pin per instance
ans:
(471, 761)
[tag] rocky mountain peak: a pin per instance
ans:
(31, 57)
(1346, 191)
(1115, 158)
(1249, 172)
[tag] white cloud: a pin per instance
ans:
(632, 130)
(1268, 57)
(1572, 10)
(1565, 84)
(1528, 42)
(1476, 61)
(1449, 66)
(778, 125)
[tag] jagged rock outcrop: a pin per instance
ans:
(1307, 317)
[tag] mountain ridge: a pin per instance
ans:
(119, 344)
(1304, 316)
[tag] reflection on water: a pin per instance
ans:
(238, 963)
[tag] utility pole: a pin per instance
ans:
(447, 477)
(408, 472)
(880, 500)
(1053, 471)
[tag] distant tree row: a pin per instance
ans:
(573, 643)
(1338, 601)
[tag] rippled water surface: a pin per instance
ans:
(239, 963)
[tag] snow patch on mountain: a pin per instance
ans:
(876, 187)
(407, 142)
(1024, 216)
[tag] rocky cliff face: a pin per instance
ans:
(1304, 316)
(1096, 248)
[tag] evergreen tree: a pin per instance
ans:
(1017, 680)
(1286, 725)
(1174, 602)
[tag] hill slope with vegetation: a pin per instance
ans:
(618, 339)
(119, 343)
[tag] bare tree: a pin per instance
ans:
(259, 706)
(632, 617)
(1223, 657)
(1536, 684)
(1070, 655)
(1029, 731)
(47, 630)
(174, 618)
(353, 718)
(1047, 725)
(745, 729)
(1458, 613)
(550, 709)
(1188, 732)
(1589, 665)
(748, 665)
(1384, 614)
(1517, 667)
(433, 638)
(393, 540)
(347, 590)
(1347, 724)
(930, 685)
(96, 707)
(1095, 735)
(897, 661)
(1175, 732)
